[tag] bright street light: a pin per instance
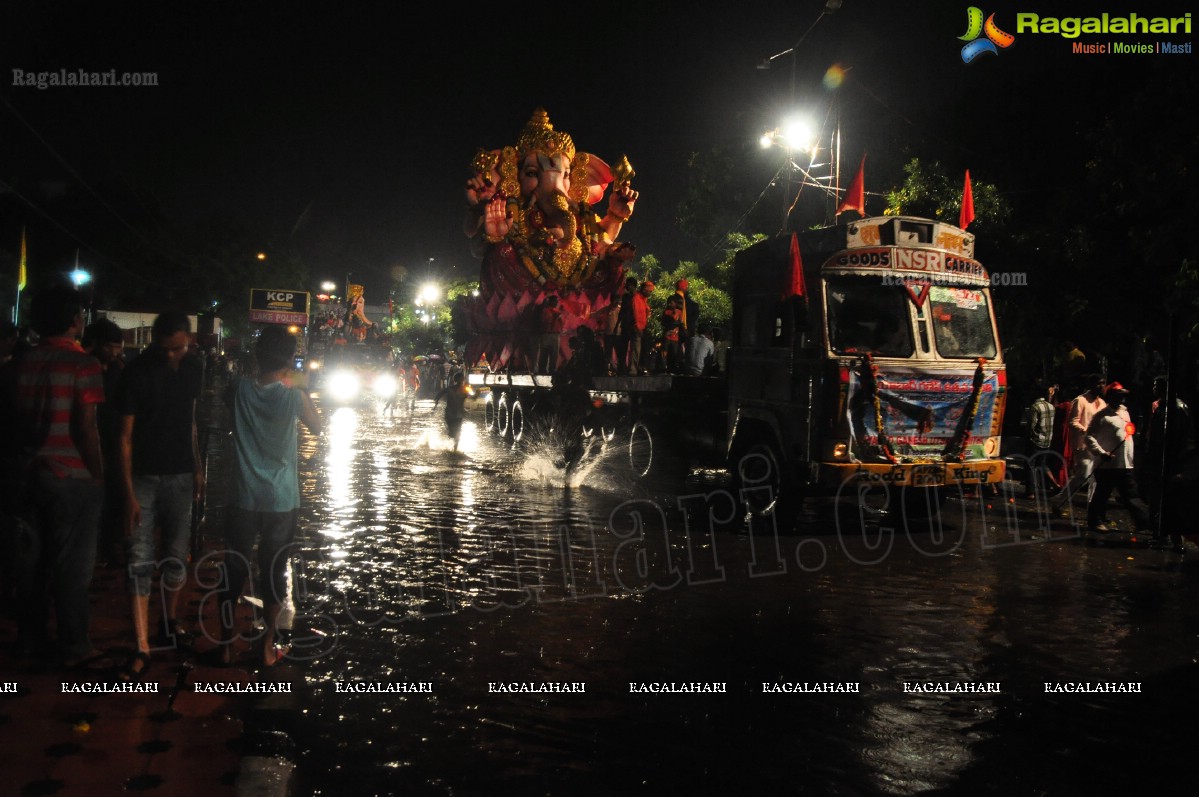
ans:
(430, 293)
(80, 277)
(797, 134)
(328, 286)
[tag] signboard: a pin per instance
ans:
(930, 261)
(909, 232)
(278, 307)
(919, 411)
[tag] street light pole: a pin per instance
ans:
(829, 7)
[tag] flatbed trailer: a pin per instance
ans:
(659, 421)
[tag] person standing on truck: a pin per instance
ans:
(609, 322)
(550, 328)
(673, 333)
(628, 345)
(700, 352)
(690, 309)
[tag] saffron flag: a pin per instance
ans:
(797, 282)
(967, 213)
(855, 195)
(21, 269)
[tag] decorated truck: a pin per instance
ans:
(862, 354)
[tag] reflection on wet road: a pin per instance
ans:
(478, 568)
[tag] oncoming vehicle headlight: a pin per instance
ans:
(314, 365)
(344, 385)
(385, 386)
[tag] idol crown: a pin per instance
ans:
(539, 136)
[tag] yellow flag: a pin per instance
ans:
(21, 269)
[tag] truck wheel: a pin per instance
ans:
(517, 421)
(490, 415)
(641, 450)
(502, 420)
(762, 487)
(922, 503)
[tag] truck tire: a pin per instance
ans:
(641, 450)
(502, 420)
(516, 420)
(758, 466)
(490, 416)
(922, 503)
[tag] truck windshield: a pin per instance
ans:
(865, 315)
(961, 322)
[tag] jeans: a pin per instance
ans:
(56, 556)
(166, 502)
(274, 533)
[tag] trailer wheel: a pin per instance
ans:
(517, 421)
(502, 420)
(641, 450)
(490, 415)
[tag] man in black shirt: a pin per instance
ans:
(161, 470)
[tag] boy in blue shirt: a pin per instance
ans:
(266, 489)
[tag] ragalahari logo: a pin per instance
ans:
(975, 27)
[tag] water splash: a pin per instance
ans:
(546, 460)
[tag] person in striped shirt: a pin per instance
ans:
(57, 389)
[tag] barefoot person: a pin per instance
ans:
(266, 493)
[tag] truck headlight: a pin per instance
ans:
(344, 385)
(385, 386)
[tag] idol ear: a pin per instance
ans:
(599, 177)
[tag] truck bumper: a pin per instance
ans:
(928, 474)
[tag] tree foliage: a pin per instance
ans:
(928, 191)
(708, 287)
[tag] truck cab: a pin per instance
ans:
(865, 353)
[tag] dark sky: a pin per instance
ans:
(348, 129)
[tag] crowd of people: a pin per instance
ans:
(1083, 439)
(624, 343)
(102, 458)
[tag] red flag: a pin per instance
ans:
(797, 282)
(967, 213)
(855, 196)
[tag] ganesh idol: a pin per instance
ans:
(530, 215)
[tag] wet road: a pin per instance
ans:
(470, 571)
